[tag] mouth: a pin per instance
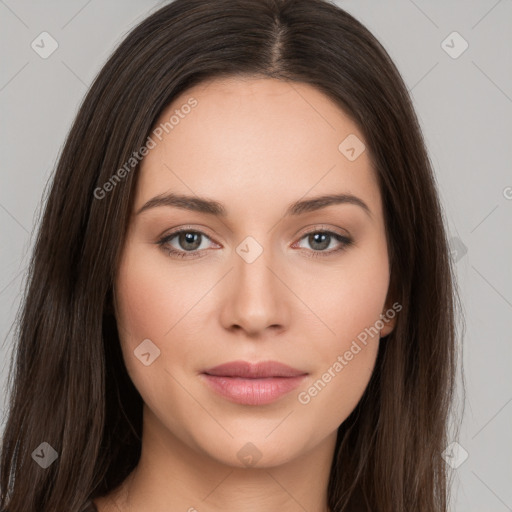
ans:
(253, 384)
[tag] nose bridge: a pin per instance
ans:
(252, 271)
(255, 300)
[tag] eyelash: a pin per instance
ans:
(345, 242)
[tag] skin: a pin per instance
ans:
(255, 145)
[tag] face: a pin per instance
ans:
(255, 276)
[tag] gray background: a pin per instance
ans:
(464, 105)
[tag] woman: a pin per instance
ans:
(240, 296)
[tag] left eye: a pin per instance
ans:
(190, 242)
(321, 240)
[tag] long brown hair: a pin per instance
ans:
(69, 386)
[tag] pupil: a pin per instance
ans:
(320, 238)
(188, 238)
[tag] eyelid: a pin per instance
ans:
(188, 228)
(313, 228)
(166, 238)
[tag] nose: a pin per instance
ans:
(255, 298)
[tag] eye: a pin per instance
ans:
(320, 240)
(188, 241)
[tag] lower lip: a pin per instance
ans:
(253, 391)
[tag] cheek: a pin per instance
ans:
(152, 303)
(345, 360)
(349, 302)
(150, 299)
(351, 299)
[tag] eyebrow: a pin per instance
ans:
(209, 206)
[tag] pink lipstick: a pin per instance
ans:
(253, 384)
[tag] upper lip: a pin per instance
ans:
(249, 370)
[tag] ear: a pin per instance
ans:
(389, 323)
(389, 317)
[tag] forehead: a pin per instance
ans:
(251, 139)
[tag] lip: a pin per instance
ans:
(253, 383)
